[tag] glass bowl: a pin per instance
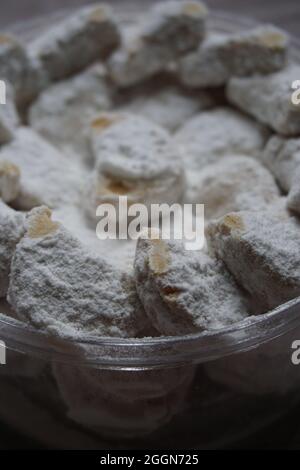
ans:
(203, 391)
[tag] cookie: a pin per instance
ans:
(269, 99)
(262, 253)
(46, 175)
(11, 231)
(62, 113)
(20, 70)
(185, 292)
(86, 36)
(170, 107)
(211, 135)
(170, 30)
(282, 157)
(234, 184)
(58, 286)
(262, 50)
(293, 201)
(134, 158)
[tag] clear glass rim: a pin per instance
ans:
(148, 353)
(162, 352)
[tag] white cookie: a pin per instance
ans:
(118, 253)
(135, 158)
(269, 99)
(136, 62)
(169, 30)
(20, 70)
(282, 157)
(180, 23)
(278, 208)
(76, 42)
(46, 175)
(63, 111)
(234, 184)
(169, 108)
(211, 135)
(11, 231)
(262, 50)
(58, 286)
(293, 201)
(262, 252)
(185, 292)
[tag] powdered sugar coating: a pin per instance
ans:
(170, 107)
(60, 287)
(11, 231)
(184, 292)
(135, 161)
(169, 30)
(282, 157)
(268, 99)
(210, 135)
(118, 253)
(100, 189)
(20, 70)
(88, 35)
(135, 62)
(134, 158)
(261, 50)
(132, 148)
(234, 184)
(178, 25)
(47, 176)
(261, 250)
(64, 110)
(293, 202)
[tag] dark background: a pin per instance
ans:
(285, 14)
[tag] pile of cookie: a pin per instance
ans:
(163, 111)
